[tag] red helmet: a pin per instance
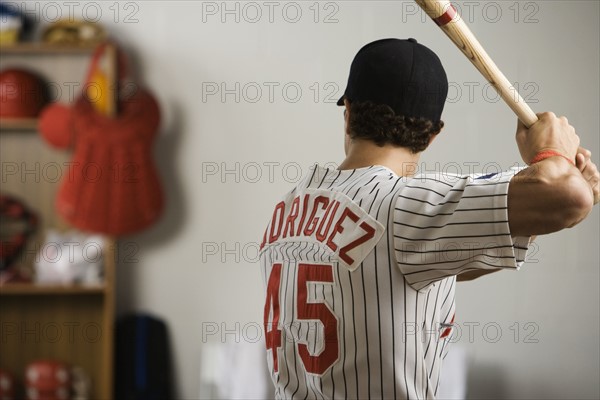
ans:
(47, 379)
(22, 94)
(61, 393)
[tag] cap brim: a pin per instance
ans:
(340, 102)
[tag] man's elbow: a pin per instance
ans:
(548, 199)
(578, 201)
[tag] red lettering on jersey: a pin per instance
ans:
(328, 217)
(292, 217)
(324, 218)
(370, 233)
(339, 228)
(317, 364)
(313, 221)
(279, 208)
(448, 330)
(272, 331)
(304, 210)
(264, 241)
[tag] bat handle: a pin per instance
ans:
(524, 112)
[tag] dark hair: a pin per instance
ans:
(380, 124)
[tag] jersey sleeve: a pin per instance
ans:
(444, 225)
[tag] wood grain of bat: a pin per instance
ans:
(449, 20)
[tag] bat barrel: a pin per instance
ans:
(448, 19)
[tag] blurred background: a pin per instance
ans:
(138, 177)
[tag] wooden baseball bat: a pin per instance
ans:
(447, 18)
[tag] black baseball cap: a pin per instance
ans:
(402, 74)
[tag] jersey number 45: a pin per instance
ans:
(305, 311)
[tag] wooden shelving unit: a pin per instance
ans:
(36, 49)
(21, 124)
(70, 323)
(28, 289)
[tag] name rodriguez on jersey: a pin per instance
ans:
(329, 218)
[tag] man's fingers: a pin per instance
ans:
(521, 129)
(582, 158)
(585, 152)
(591, 175)
(580, 161)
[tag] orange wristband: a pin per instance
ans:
(542, 155)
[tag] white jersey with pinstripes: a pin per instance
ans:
(360, 269)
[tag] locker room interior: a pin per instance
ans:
(247, 94)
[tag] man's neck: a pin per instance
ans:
(364, 153)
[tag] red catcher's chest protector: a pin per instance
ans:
(111, 185)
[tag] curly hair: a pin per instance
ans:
(380, 124)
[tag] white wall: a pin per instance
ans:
(181, 48)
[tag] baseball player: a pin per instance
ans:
(361, 262)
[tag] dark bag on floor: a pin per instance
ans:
(142, 359)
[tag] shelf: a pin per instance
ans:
(32, 311)
(33, 48)
(19, 289)
(18, 124)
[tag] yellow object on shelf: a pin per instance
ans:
(98, 92)
(74, 32)
(9, 36)
(101, 85)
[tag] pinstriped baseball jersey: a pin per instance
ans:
(360, 269)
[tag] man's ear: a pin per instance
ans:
(432, 137)
(346, 106)
(346, 114)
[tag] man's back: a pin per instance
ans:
(341, 320)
